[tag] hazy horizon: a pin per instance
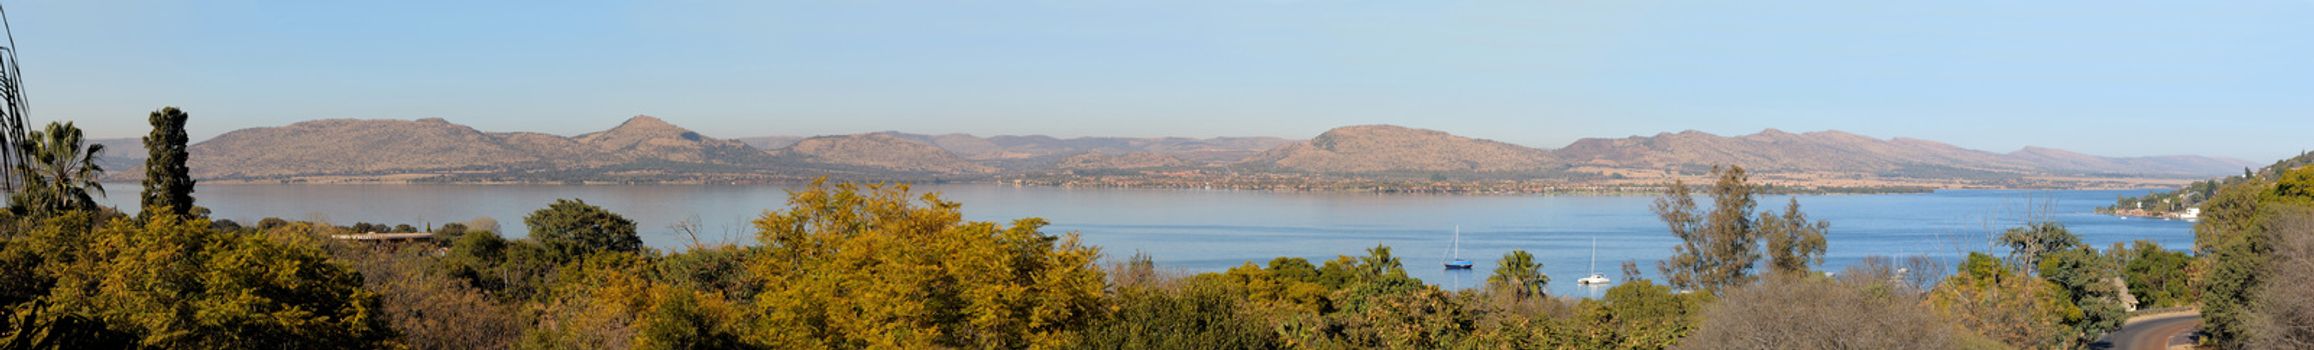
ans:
(2104, 78)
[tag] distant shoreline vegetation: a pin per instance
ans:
(2173, 203)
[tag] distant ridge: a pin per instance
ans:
(647, 148)
(1835, 151)
(350, 146)
(884, 151)
(1389, 148)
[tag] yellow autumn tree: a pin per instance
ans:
(875, 266)
(1997, 302)
(175, 283)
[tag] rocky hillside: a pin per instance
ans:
(770, 142)
(2069, 162)
(1386, 148)
(1839, 152)
(435, 146)
(883, 151)
(1020, 147)
(648, 138)
(1775, 150)
(349, 146)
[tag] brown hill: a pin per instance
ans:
(1023, 147)
(349, 146)
(2069, 162)
(770, 142)
(1386, 148)
(648, 138)
(1839, 152)
(1775, 150)
(433, 145)
(883, 151)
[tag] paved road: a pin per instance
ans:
(2153, 333)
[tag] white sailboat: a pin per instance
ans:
(1596, 278)
(1458, 263)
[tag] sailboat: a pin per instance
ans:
(1458, 263)
(1596, 278)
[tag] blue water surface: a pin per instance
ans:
(1191, 231)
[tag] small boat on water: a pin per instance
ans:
(1458, 263)
(1596, 278)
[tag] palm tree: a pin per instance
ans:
(12, 108)
(58, 173)
(1519, 275)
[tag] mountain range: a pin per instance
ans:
(645, 148)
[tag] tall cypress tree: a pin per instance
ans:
(168, 183)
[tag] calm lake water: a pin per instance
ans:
(1199, 231)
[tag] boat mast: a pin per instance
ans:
(1594, 255)
(1457, 250)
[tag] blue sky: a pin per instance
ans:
(2227, 78)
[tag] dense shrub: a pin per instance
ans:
(1818, 313)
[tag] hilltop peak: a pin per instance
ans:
(1373, 127)
(647, 137)
(1376, 129)
(644, 121)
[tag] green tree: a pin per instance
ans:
(1794, 244)
(1637, 314)
(1717, 249)
(1519, 275)
(2158, 277)
(168, 183)
(2235, 241)
(59, 172)
(2233, 244)
(2089, 283)
(573, 229)
(2029, 244)
(1378, 264)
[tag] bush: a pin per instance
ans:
(2282, 317)
(1817, 313)
(1195, 313)
(432, 309)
